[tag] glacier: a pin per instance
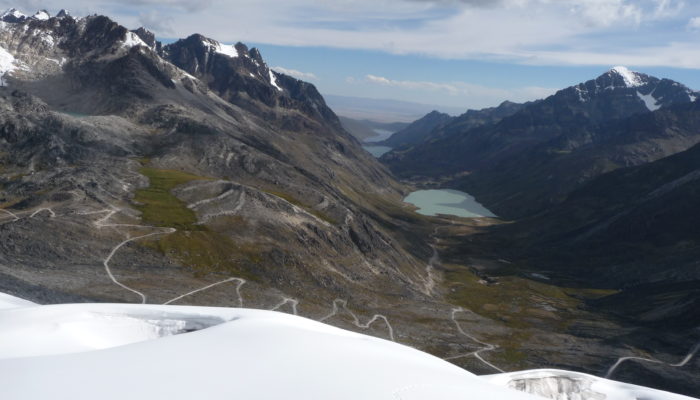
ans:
(144, 351)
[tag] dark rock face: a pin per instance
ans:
(13, 16)
(71, 131)
(633, 229)
(418, 131)
(436, 126)
(647, 210)
(241, 76)
(147, 36)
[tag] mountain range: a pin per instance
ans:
(528, 161)
(133, 171)
(100, 123)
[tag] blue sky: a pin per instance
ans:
(463, 53)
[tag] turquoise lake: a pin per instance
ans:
(376, 151)
(446, 201)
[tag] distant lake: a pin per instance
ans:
(447, 201)
(75, 114)
(382, 134)
(376, 151)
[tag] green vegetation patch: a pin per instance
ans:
(159, 206)
(207, 252)
(202, 248)
(521, 304)
(515, 300)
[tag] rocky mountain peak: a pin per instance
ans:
(12, 15)
(628, 92)
(41, 15)
(623, 78)
(146, 36)
(629, 78)
(63, 13)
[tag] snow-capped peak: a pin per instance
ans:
(225, 49)
(131, 39)
(41, 15)
(12, 12)
(63, 13)
(632, 79)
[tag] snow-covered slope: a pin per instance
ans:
(7, 301)
(244, 354)
(567, 385)
(120, 351)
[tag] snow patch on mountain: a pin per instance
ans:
(649, 101)
(41, 15)
(12, 13)
(8, 63)
(131, 39)
(226, 49)
(273, 80)
(632, 79)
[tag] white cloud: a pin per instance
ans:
(694, 23)
(470, 94)
(607, 12)
(157, 22)
(305, 76)
(522, 31)
(414, 85)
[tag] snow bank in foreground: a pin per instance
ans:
(7, 301)
(117, 352)
(565, 385)
(72, 328)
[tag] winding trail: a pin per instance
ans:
(37, 212)
(430, 267)
(356, 320)
(241, 281)
(11, 214)
(102, 223)
(430, 280)
(693, 351)
(430, 286)
(487, 346)
(285, 300)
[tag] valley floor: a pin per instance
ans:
(481, 312)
